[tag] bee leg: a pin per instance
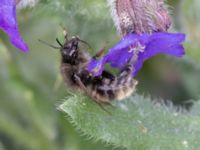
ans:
(100, 52)
(129, 66)
(77, 78)
(89, 46)
(108, 75)
(132, 61)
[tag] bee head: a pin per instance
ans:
(69, 51)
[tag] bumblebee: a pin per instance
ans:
(102, 89)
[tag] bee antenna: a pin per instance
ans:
(85, 43)
(59, 42)
(43, 42)
(64, 31)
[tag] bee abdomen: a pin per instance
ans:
(107, 93)
(126, 89)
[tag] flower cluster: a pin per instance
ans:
(142, 47)
(8, 23)
(143, 26)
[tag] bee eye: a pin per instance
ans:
(74, 55)
(68, 46)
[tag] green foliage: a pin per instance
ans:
(188, 20)
(31, 88)
(135, 123)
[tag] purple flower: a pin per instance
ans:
(8, 23)
(142, 47)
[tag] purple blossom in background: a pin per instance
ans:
(142, 47)
(8, 23)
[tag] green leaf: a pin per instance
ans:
(135, 123)
(1, 146)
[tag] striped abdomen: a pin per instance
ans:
(102, 89)
(114, 88)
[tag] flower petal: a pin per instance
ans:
(118, 60)
(166, 43)
(8, 23)
(96, 66)
(119, 55)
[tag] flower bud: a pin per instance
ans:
(140, 16)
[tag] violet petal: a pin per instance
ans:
(8, 23)
(119, 55)
(96, 66)
(161, 43)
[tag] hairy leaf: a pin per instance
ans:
(135, 123)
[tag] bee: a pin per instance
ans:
(102, 89)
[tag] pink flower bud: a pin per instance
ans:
(140, 16)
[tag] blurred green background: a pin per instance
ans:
(31, 88)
